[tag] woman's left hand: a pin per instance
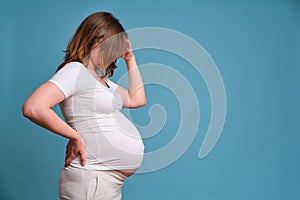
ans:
(128, 56)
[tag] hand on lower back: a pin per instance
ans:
(73, 149)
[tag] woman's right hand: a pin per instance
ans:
(74, 148)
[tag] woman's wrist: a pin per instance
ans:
(131, 63)
(75, 136)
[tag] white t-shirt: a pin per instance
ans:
(93, 110)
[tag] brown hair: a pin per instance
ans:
(99, 27)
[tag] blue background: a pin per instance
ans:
(256, 46)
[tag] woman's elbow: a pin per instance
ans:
(29, 110)
(141, 103)
(26, 110)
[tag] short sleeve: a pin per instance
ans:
(65, 79)
(112, 84)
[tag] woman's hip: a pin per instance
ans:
(78, 184)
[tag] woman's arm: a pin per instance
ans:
(38, 108)
(134, 96)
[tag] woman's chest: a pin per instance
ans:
(107, 100)
(93, 100)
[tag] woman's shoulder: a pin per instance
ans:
(71, 67)
(73, 64)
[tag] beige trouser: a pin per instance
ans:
(83, 184)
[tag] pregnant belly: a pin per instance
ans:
(114, 142)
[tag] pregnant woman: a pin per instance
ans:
(104, 147)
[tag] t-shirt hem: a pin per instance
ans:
(101, 167)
